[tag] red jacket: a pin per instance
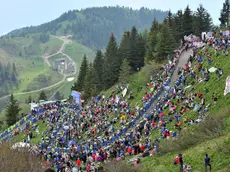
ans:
(78, 162)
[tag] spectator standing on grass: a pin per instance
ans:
(207, 163)
(214, 97)
(49, 170)
(181, 162)
(78, 162)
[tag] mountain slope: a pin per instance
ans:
(30, 47)
(93, 26)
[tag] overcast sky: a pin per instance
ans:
(19, 13)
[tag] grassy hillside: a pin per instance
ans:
(30, 45)
(26, 53)
(29, 69)
(195, 146)
(33, 72)
(5, 57)
(44, 80)
(65, 89)
(22, 98)
(209, 136)
(51, 47)
(77, 51)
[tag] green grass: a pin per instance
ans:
(63, 27)
(218, 148)
(35, 95)
(136, 81)
(42, 128)
(5, 57)
(28, 70)
(65, 89)
(52, 46)
(193, 156)
(76, 51)
(31, 68)
(17, 45)
(25, 108)
(44, 80)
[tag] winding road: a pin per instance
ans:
(61, 51)
(46, 60)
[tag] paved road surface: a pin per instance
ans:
(182, 61)
(34, 91)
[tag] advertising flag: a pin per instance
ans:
(76, 96)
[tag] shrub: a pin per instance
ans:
(208, 129)
(15, 161)
(119, 166)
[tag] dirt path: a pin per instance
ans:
(35, 91)
(61, 51)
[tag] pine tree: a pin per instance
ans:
(141, 51)
(1, 124)
(78, 86)
(187, 21)
(178, 26)
(14, 68)
(29, 99)
(144, 35)
(42, 96)
(125, 72)
(112, 63)
(125, 46)
(135, 61)
(97, 73)
(152, 40)
(13, 77)
(170, 19)
(208, 22)
(225, 14)
(88, 83)
(201, 21)
(133, 57)
(12, 111)
(166, 42)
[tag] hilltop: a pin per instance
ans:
(93, 26)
